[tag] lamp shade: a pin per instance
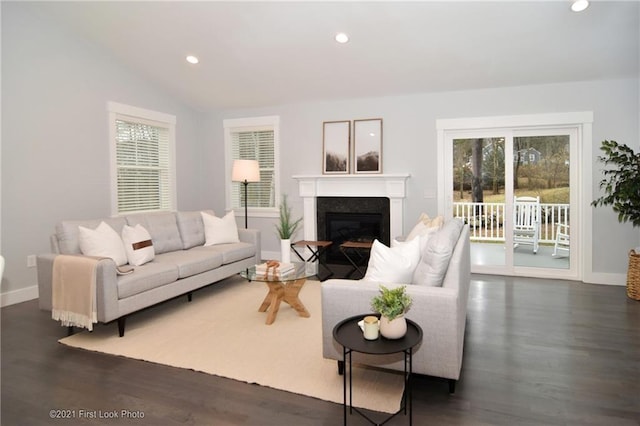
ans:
(245, 171)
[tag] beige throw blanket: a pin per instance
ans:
(74, 291)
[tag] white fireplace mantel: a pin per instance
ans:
(392, 186)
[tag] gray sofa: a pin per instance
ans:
(440, 311)
(181, 265)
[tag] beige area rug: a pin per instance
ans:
(221, 332)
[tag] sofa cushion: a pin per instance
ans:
(137, 244)
(190, 262)
(146, 277)
(191, 228)
(67, 232)
(436, 254)
(393, 265)
(103, 241)
(230, 252)
(163, 229)
(220, 230)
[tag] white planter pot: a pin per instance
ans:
(285, 251)
(394, 329)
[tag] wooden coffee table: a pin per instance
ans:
(285, 288)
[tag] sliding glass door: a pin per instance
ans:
(516, 189)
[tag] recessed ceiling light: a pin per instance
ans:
(192, 59)
(579, 5)
(342, 38)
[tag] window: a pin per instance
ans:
(142, 147)
(253, 139)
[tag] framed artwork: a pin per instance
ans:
(367, 145)
(336, 146)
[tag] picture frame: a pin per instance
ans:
(367, 145)
(336, 147)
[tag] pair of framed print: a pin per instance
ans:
(339, 157)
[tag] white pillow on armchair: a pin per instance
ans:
(393, 265)
(435, 256)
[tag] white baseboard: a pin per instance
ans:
(18, 296)
(606, 278)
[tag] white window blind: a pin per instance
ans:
(255, 145)
(144, 168)
(254, 138)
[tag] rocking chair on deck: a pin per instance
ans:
(526, 221)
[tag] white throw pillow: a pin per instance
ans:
(436, 254)
(137, 245)
(425, 226)
(220, 230)
(102, 242)
(393, 265)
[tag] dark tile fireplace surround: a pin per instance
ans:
(341, 219)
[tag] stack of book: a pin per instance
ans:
(274, 269)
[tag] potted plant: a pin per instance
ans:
(286, 228)
(392, 304)
(621, 185)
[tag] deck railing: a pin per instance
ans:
(486, 220)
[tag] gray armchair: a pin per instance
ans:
(440, 311)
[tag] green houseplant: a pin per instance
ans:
(392, 304)
(621, 184)
(286, 228)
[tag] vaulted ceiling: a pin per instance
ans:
(265, 53)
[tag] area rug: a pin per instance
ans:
(221, 332)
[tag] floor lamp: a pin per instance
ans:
(245, 171)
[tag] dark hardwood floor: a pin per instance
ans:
(537, 352)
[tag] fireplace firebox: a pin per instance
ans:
(361, 219)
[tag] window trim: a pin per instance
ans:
(251, 124)
(121, 111)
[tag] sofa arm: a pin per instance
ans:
(106, 286)
(252, 236)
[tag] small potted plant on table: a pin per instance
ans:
(392, 304)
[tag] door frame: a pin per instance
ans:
(580, 169)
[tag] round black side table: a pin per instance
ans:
(348, 334)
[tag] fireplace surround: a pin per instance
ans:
(389, 186)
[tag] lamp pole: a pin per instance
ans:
(246, 216)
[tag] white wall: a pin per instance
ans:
(55, 158)
(410, 142)
(55, 155)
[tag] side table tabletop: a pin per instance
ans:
(348, 334)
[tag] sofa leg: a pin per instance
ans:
(452, 386)
(341, 367)
(189, 296)
(121, 322)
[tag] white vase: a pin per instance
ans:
(394, 329)
(285, 251)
